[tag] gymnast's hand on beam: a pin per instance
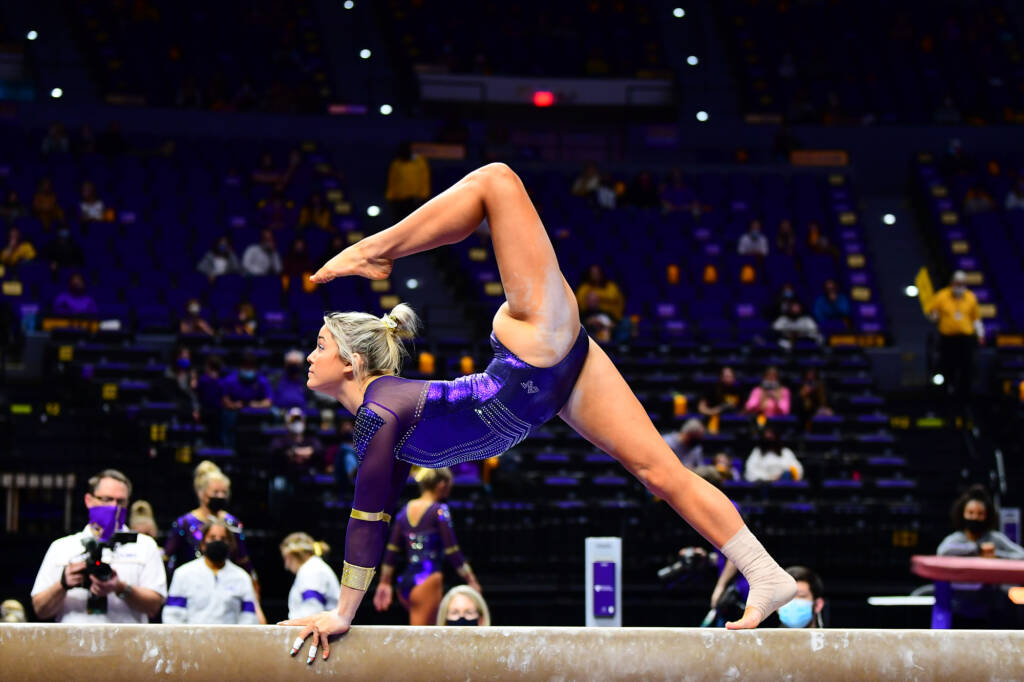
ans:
(321, 626)
(354, 261)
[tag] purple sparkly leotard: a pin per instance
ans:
(425, 544)
(440, 423)
(187, 533)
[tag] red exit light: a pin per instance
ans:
(543, 98)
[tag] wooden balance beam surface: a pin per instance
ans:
(225, 652)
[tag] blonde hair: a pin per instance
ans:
(141, 511)
(476, 597)
(429, 479)
(205, 473)
(375, 341)
(303, 545)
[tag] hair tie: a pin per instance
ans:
(317, 549)
(389, 322)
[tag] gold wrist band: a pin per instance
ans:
(370, 516)
(452, 550)
(393, 548)
(356, 577)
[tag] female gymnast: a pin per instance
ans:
(423, 530)
(544, 364)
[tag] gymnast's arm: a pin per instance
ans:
(451, 547)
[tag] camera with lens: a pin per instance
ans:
(689, 561)
(95, 565)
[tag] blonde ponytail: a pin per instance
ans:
(374, 344)
(429, 479)
(205, 472)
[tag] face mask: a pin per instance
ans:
(246, 374)
(975, 526)
(217, 504)
(958, 291)
(216, 551)
(107, 520)
(770, 385)
(463, 621)
(193, 309)
(183, 363)
(797, 613)
(63, 234)
(297, 426)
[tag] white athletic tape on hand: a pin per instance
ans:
(312, 654)
(297, 644)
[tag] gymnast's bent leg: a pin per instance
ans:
(603, 409)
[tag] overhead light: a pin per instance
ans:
(349, 4)
(938, 379)
(365, 53)
(32, 35)
(692, 60)
(889, 219)
(386, 109)
(679, 12)
(412, 283)
(373, 211)
(702, 116)
(56, 93)
(911, 291)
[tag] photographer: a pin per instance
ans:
(123, 580)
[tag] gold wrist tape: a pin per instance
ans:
(452, 550)
(393, 548)
(356, 577)
(370, 516)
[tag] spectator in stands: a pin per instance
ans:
(266, 173)
(56, 140)
(298, 453)
(262, 257)
(210, 393)
(290, 389)
(978, 200)
(136, 589)
(297, 264)
(722, 463)
(795, 324)
(277, 212)
(832, 306)
(63, 251)
(643, 192)
(244, 323)
(12, 209)
(686, 443)
(824, 246)
(785, 237)
(219, 260)
(211, 590)
(955, 310)
(90, 207)
(141, 519)
(597, 322)
(193, 322)
(753, 242)
(770, 398)
(17, 250)
(183, 381)
(812, 400)
(462, 605)
(316, 213)
(408, 182)
(975, 520)
(724, 396)
(247, 387)
(677, 196)
(609, 296)
(772, 461)
(75, 301)
(1015, 197)
(805, 609)
(45, 206)
(587, 182)
(316, 587)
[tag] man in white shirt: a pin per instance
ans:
(211, 590)
(137, 585)
(262, 257)
(753, 242)
(771, 461)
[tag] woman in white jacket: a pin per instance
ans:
(316, 587)
(771, 461)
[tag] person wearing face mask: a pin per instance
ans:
(290, 390)
(298, 451)
(772, 461)
(770, 398)
(211, 590)
(686, 443)
(135, 591)
(423, 531)
(75, 301)
(805, 609)
(262, 257)
(974, 518)
(463, 605)
(244, 388)
(955, 310)
(794, 325)
(219, 260)
(181, 381)
(193, 322)
(316, 585)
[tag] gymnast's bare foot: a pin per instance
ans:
(355, 260)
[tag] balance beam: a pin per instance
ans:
(227, 652)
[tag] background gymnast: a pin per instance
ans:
(544, 364)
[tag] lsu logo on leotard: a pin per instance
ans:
(529, 386)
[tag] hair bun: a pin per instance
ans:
(407, 322)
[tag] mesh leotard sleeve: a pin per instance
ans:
(451, 544)
(394, 548)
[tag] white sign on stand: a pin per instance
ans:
(1009, 522)
(603, 569)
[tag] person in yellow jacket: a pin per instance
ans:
(16, 249)
(955, 310)
(609, 296)
(408, 181)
